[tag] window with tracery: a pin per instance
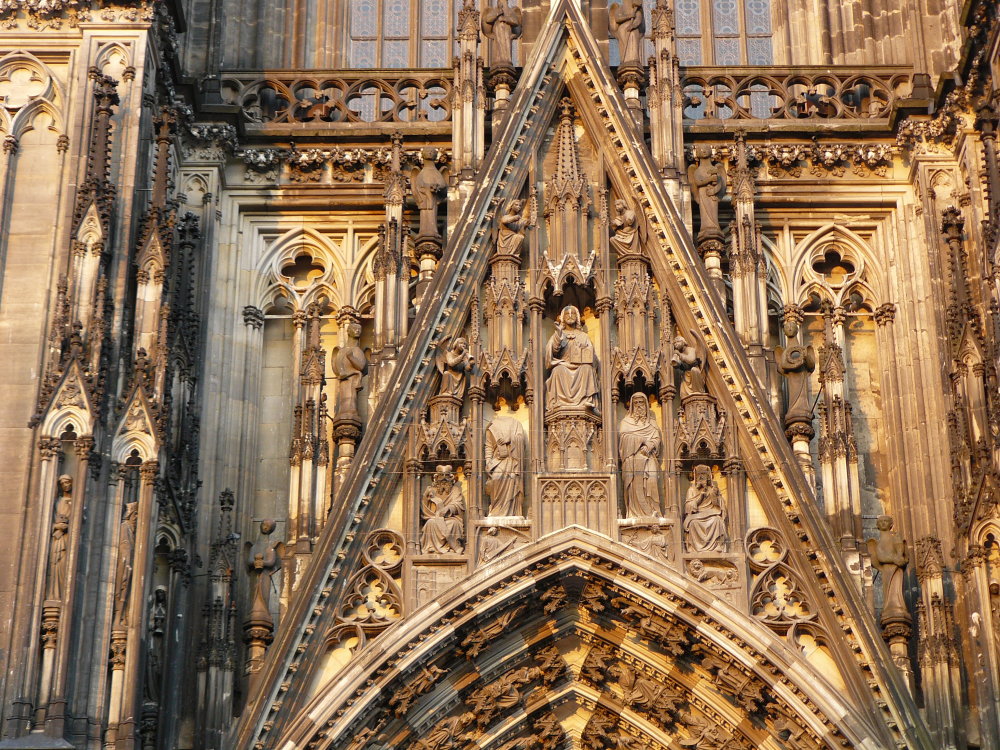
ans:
(401, 33)
(724, 32)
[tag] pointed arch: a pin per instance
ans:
(286, 249)
(573, 591)
(47, 84)
(24, 121)
(813, 248)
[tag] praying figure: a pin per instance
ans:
(625, 240)
(888, 554)
(572, 360)
(690, 362)
(704, 513)
(502, 25)
(443, 508)
(453, 362)
(707, 183)
(639, 446)
(59, 546)
(628, 24)
(510, 234)
(504, 464)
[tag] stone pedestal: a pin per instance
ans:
(723, 573)
(572, 438)
(583, 499)
(432, 575)
(498, 536)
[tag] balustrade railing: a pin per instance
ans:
(368, 96)
(786, 93)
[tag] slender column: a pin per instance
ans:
(56, 714)
(48, 450)
(134, 630)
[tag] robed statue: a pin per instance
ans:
(888, 554)
(571, 359)
(349, 362)
(627, 24)
(502, 25)
(59, 545)
(707, 182)
(429, 187)
(639, 447)
(453, 361)
(510, 234)
(796, 363)
(126, 561)
(704, 513)
(505, 464)
(690, 362)
(443, 508)
(625, 239)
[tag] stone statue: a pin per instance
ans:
(639, 446)
(625, 240)
(888, 554)
(690, 362)
(796, 363)
(349, 362)
(59, 546)
(429, 186)
(707, 183)
(453, 362)
(510, 234)
(443, 507)
(704, 514)
(628, 25)
(154, 648)
(504, 464)
(502, 25)
(572, 359)
(126, 559)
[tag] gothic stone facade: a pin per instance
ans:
(447, 375)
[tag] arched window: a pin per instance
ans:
(401, 33)
(724, 32)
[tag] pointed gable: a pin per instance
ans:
(566, 58)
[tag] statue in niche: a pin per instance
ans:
(154, 653)
(625, 239)
(796, 363)
(453, 362)
(628, 25)
(707, 182)
(639, 446)
(123, 571)
(690, 362)
(504, 464)
(265, 564)
(349, 362)
(510, 234)
(704, 513)
(443, 507)
(888, 554)
(59, 546)
(572, 359)
(502, 25)
(429, 186)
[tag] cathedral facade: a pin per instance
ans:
(453, 374)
